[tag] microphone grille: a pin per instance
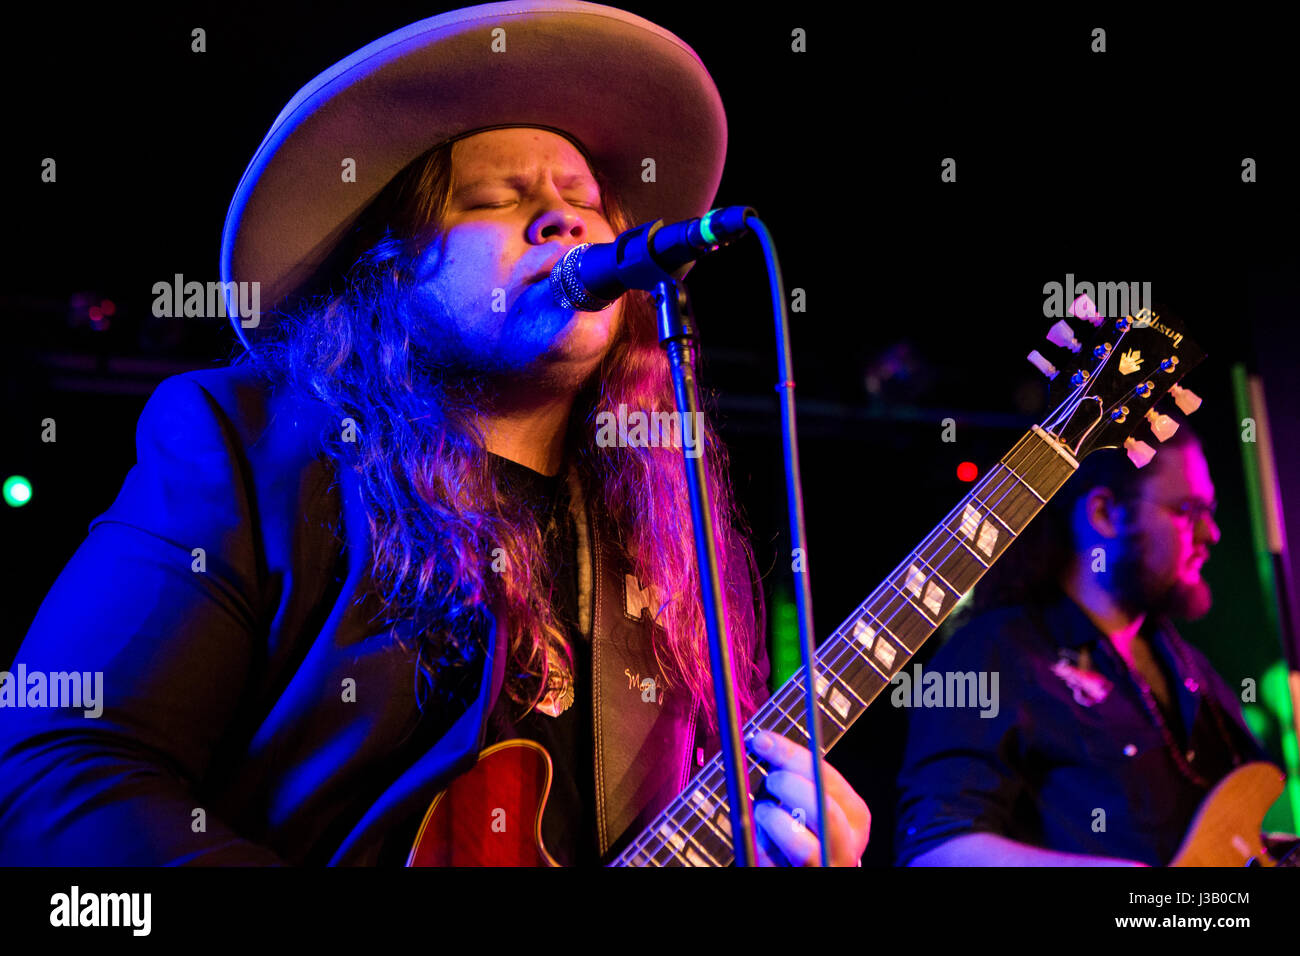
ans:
(567, 288)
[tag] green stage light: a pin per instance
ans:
(18, 491)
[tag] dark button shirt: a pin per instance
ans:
(1071, 759)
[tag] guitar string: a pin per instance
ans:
(1009, 478)
(837, 662)
(1043, 452)
(775, 702)
(710, 788)
(1040, 453)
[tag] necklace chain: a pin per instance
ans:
(1149, 701)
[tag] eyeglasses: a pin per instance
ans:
(1189, 509)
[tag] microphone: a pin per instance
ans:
(591, 277)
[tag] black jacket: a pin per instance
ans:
(253, 713)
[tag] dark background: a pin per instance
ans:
(1123, 166)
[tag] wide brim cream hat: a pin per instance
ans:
(624, 89)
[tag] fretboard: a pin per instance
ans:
(860, 658)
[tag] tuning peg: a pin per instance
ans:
(1162, 426)
(1044, 366)
(1061, 334)
(1188, 401)
(1082, 308)
(1139, 452)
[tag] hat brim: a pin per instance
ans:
(625, 89)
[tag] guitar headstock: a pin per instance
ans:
(1110, 376)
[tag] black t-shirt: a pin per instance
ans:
(1070, 758)
(569, 819)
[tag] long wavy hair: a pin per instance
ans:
(436, 505)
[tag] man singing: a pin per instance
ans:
(1110, 728)
(387, 537)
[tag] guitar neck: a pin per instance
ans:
(863, 654)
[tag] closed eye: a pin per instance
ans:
(503, 204)
(509, 202)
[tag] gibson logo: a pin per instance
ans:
(1146, 318)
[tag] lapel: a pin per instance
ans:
(644, 733)
(455, 752)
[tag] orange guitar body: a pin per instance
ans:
(492, 814)
(1226, 831)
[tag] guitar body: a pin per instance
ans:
(1226, 831)
(492, 814)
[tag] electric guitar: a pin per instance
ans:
(1226, 831)
(513, 778)
(1110, 391)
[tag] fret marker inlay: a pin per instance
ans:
(934, 598)
(702, 802)
(840, 703)
(886, 630)
(885, 653)
(672, 837)
(863, 633)
(915, 580)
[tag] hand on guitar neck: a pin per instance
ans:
(791, 782)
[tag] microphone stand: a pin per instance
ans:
(798, 529)
(677, 336)
(632, 262)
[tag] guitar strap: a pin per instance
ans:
(644, 730)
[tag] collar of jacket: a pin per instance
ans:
(645, 734)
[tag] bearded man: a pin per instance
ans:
(1110, 729)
